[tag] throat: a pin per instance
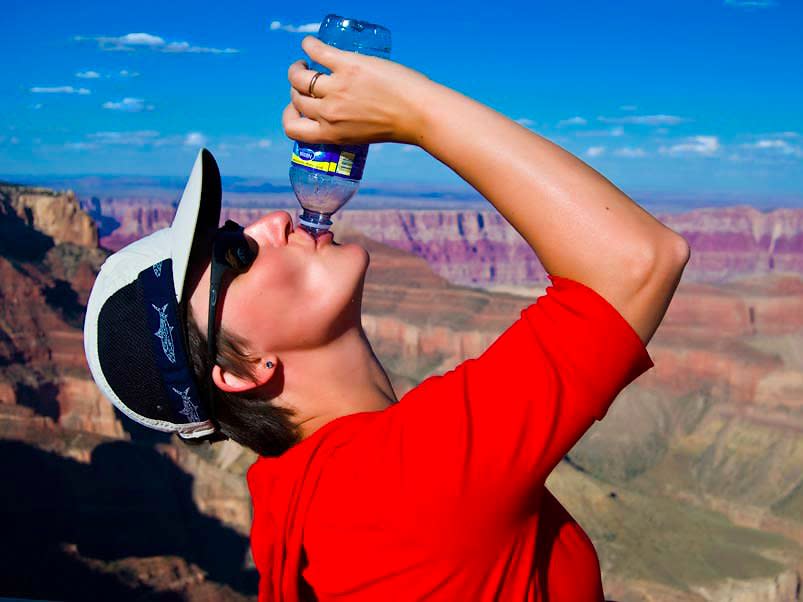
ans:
(344, 377)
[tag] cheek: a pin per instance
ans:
(300, 305)
(326, 299)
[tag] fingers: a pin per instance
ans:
(323, 53)
(300, 77)
(301, 118)
(300, 128)
(306, 105)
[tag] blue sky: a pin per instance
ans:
(668, 96)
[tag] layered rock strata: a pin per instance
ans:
(479, 248)
(713, 431)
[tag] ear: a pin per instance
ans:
(230, 383)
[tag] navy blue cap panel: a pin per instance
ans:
(167, 343)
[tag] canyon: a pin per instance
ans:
(477, 247)
(690, 488)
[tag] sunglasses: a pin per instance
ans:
(231, 251)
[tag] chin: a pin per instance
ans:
(345, 269)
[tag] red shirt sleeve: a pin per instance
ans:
(478, 443)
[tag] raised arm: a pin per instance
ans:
(578, 223)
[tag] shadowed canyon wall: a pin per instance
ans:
(690, 489)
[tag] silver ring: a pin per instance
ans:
(312, 83)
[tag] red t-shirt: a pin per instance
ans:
(441, 496)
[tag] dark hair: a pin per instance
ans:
(250, 419)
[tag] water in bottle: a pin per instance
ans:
(326, 176)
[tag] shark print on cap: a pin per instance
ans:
(165, 333)
(190, 410)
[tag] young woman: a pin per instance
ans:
(439, 496)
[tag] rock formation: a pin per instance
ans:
(479, 248)
(111, 517)
(57, 215)
(702, 454)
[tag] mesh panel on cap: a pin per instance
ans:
(126, 357)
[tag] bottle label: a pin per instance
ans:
(344, 161)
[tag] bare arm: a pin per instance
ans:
(578, 223)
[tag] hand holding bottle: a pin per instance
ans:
(366, 99)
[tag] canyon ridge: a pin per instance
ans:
(690, 488)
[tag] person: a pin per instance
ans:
(357, 495)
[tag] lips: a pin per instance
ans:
(308, 239)
(325, 239)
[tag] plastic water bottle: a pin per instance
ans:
(326, 176)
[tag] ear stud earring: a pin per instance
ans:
(269, 364)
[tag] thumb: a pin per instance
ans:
(322, 53)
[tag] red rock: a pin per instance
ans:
(479, 248)
(7, 394)
(82, 407)
(55, 214)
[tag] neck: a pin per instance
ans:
(343, 377)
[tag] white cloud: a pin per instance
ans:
(80, 145)
(136, 41)
(786, 134)
(573, 121)
(769, 144)
(595, 151)
(629, 152)
(37, 106)
(176, 47)
(306, 28)
(244, 142)
(696, 145)
(628, 107)
(127, 73)
(135, 138)
(750, 3)
(775, 145)
(615, 132)
(131, 105)
(525, 122)
(146, 138)
(645, 119)
(139, 39)
(88, 74)
(195, 139)
(59, 90)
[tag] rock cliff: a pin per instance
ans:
(54, 214)
(702, 453)
(48, 264)
(115, 512)
(479, 248)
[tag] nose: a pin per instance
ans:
(272, 228)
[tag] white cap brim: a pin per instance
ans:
(198, 211)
